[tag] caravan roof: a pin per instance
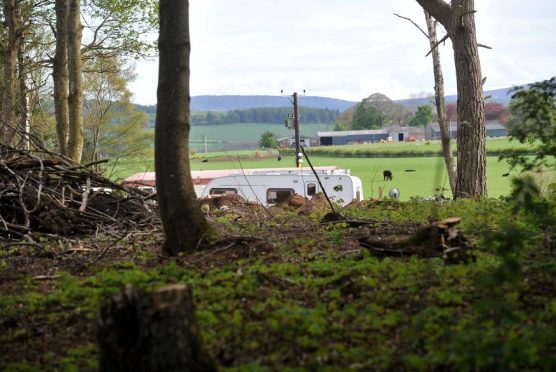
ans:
(203, 177)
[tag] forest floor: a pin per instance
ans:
(291, 287)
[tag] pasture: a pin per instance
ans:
(426, 175)
(414, 177)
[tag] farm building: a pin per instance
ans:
(493, 129)
(304, 140)
(394, 133)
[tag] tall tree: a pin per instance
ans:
(183, 222)
(441, 102)
(75, 98)
(422, 117)
(12, 21)
(113, 126)
(459, 21)
(61, 77)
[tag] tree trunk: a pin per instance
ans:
(25, 115)
(183, 222)
(60, 76)
(156, 332)
(75, 98)
(441, 102)
(7, 104)
(471, 177)
(459, 21)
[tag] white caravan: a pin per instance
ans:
(271, 187)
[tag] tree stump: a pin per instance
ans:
(151, 332)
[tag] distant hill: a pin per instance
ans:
(228, 103)
(502, 96)
(238, 102)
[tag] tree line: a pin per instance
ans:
(266, 115)
(65, 67)
(378, 111)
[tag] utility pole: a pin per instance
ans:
(293, 121)
(298, 154)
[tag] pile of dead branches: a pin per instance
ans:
(44, 193)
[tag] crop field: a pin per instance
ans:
(220, 135)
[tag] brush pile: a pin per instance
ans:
(42, 193)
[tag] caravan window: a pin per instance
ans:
(278, 195)
(311, 189)
(223, 191)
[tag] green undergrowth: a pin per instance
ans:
(318, 309)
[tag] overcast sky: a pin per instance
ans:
(350, 49)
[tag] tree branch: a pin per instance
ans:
(483, 46)
(440, 10)
(437, 44)
(415, 24)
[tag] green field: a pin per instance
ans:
(427, 177)
(228, 136)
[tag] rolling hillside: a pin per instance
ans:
(503, 96)
(238, 102)
(227, 103)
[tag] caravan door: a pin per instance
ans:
(311, 188)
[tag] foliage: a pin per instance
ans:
(493, 111)
(393, 113)
(422, 117)
(268, 140)
(533, 121)
(367, 117)
(340, 127)
(496, 111)
(120, 27)
(113, 127)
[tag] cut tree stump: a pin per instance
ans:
(439, 239)
(151, 332)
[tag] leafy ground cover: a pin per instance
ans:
(279, 288)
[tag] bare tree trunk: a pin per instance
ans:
(60, 76)
(24, 114)
(75, 98)
(184, 223)
(7, 103)
(458, 19)
(471, 178)
(441, 102)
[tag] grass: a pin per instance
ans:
(309, 306)
(428, 176)
(230, 136)
(494, 147)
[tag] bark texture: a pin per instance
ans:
(24, 114)
(458, 19)
(75, 98)
(7, 103)
(441, 102)
(60, 76)
(183, 222)
(156, 332)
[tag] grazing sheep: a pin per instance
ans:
(387, 175)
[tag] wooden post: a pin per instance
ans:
(151, 332)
